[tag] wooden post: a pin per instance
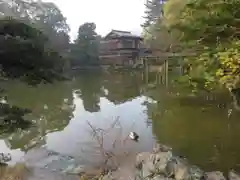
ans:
(163, 74)
(146, 69)
(157, 78)
(166, 73)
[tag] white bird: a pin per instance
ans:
(133, 136)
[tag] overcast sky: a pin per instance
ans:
(107, 14)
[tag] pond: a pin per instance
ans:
(66, 115)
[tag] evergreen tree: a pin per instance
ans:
(154, 11)
(85, 49)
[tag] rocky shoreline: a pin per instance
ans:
(160, 164)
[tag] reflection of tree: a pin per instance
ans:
(122, 86)
(25, 139)
(90, 87)
(51, 105)
(197, 129)
(12, 118)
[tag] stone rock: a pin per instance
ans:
(196, 173)
(178, 168)
(109, 176)
(138, 174)
(215, 175)
(161, 160)
(69, 169)
(74, 170)
(148, 169)
(181, 172)
(160, 177)
(149, 166)
(161, 148)
(162, 165)
(154, 163)
(94, 172)
(232, 175)
(141, 158)
(170, 168)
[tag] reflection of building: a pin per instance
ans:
(122, 87)
(120, 48)
(91, 103)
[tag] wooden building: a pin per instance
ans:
(120, 48)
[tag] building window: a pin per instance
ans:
(127, 44)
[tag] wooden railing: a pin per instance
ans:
(166, 54)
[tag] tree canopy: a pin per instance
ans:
(33, 40)
(23, 53)
(85, 47)
(48, 18)
(211, 29)
(44, 16)
(35, 47)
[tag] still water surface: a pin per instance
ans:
(194, 126)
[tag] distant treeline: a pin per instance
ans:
(35, 42)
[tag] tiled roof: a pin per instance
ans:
(123, 33)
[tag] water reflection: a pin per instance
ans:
(58, 100)
(60, 112)
(89, 90)
(199, 128)
(123, 86)
(196, 127)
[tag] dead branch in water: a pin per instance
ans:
(99, 133)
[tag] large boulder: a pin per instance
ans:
(161, 148)
(215, 175)
(161, 165)
(153, 165)
(141, 158)
(232, 175)
(178, 169)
